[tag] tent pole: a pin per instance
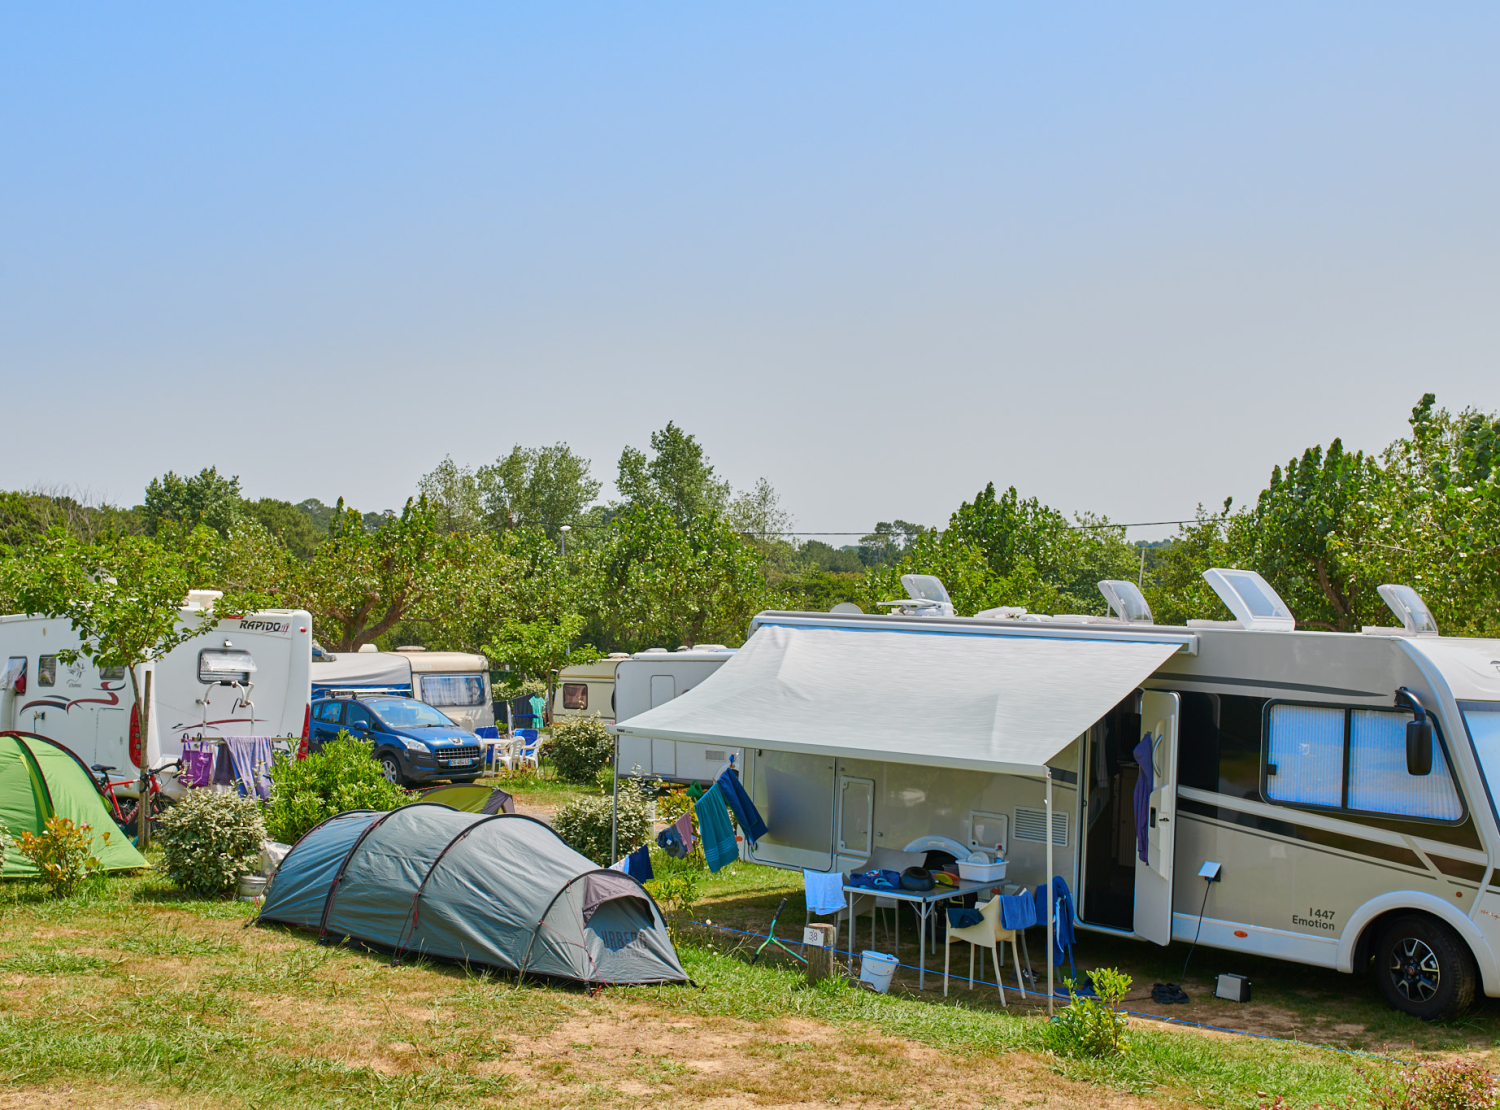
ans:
(614, 821)
(1051, 915)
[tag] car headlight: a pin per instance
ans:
(415, 745)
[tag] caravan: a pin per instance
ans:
(248, 676)
(1325, 798)
(651, 678)
(455, 682)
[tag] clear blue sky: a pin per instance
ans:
(1125, 257)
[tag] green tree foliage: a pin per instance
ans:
(888, 542)
(452, 493)
(536, 487)
(291, 527)
(677, 478)
(206, 498)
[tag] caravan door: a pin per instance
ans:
(1153, 878)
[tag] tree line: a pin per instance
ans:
(520, 560)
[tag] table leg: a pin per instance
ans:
(926, 907)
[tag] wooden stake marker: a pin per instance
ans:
(818, 942)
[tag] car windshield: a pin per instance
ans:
(1483, 721)
(409, 714)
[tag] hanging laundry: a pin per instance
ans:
(963, 917)
(684, 827)
(719, 847)
(744, 809)
(252, 764)
(1144, 784)
(197, 764)
(1017, 911)
(1061, 906)
(619, 865)
(669, 842)
(825, 891)
(638, 865)
(223, 764)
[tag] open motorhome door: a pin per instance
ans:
(1153, 878)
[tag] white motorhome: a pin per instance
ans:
(1341, 787)
(248, 676)
(651, 678)
(456, 682)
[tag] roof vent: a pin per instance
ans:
(1250, 598)
(1407, 604)
(926, 596)
(367, 649)
(1126, 599)
(202, 599)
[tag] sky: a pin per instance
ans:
(1124, 257)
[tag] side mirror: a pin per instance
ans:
(1419, 747)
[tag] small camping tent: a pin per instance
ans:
(41, 779)
(501, 890)
(469, 797)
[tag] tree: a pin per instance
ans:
(886, 543)
(536, 487)
(677, 478)
(123, 598)
(452, 493)
(539, 649)
(205, 498)
(288, 523)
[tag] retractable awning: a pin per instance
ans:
(945, 699)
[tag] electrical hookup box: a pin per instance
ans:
(1234, 988)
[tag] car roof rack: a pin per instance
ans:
(362, 691)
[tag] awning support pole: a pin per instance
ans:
(1051, 902)
(614, 821)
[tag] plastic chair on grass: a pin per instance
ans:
(528, 750)
(987, 934)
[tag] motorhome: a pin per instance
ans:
(456, 682)
(587, 689)
(247, 676)
(1325, 798)
(651, 678)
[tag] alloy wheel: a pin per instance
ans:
(1415, 971)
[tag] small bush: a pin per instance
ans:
(584, 823)
(1092, 1026)
(63, 854)
(1458, 1085)
(579, 747)
(342, 776)
(209, 840)
(676, 888)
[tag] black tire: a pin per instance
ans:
(160, 803)
(390, 767)
(1424, 968)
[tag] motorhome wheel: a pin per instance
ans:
(1423, 968)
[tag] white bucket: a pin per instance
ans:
(877, 969)
(251, 887)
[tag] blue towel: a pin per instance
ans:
(1017, 911)
(876, 879)
(719, 847)
(638, 865)
(1062, 900)
(961, 917)
(825, 891)
(744, 809)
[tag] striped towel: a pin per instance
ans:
(719, 846)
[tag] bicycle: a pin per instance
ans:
(126, 813)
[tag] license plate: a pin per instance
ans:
(457, 762)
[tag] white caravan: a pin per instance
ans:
(248, 676)
(457, 682)
(652, 678)
(1341, 786)
(587, 689)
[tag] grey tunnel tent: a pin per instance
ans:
(500, 891)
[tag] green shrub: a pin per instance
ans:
(676, 886)
(1456, 1085)
(1092, 1026)
(584, 823)
(579, 747)
(62, 854)
(209, 840)
(343, 775)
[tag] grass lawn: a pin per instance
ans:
(132, 994)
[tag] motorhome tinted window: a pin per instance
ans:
(1305, 755)
(1483, 721)
(453, 689)
(575, 695)
(1219, 743)
(111, 674)
(1378, 782)
(46, 670)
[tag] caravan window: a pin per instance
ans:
(575, 695)
(1354, 760)
(225, 666)
(111, 674)
(453, 689)
(46, 670)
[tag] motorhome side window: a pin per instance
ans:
(453, 689)
(225, 666)
(46, 670)
(1329, 757)
(575, 695)
(111, 674)
(1219, 743)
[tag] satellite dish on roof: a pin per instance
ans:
(846, 607)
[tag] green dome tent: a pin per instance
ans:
(40, 779)
(470, 797)
(500, 890)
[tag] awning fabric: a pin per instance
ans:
(945, 699)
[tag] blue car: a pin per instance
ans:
(413, 742)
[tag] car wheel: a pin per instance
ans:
(1423, 968)
(390, 767)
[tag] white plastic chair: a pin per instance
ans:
(987, 934)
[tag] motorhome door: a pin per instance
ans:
(1153, 877)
